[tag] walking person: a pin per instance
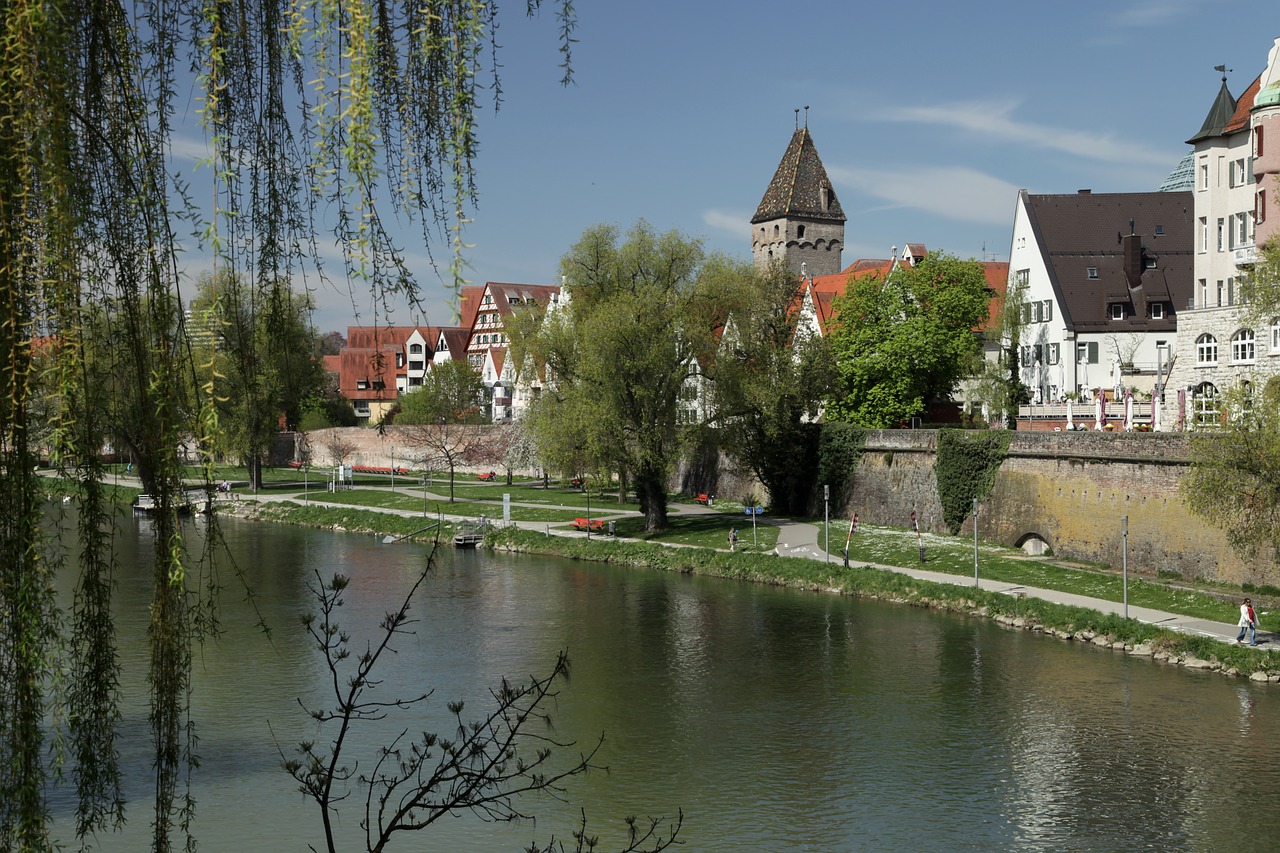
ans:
(1248, 623)
(733, 539)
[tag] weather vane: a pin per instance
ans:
(1223, 70)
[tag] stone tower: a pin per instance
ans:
(799, 219)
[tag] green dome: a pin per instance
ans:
(1268, 97)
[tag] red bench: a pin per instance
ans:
(583, 524)
(487, 477)
(702, 499)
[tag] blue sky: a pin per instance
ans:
(928, 116)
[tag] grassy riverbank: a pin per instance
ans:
(1063, 621)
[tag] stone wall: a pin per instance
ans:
(1068, 490)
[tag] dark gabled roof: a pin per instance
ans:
(1224, 106)
(797, 188)
(1087, 230)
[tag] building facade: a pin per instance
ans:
(1237, 179)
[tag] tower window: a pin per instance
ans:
(800, 231)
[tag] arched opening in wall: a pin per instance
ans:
(1034, 545)
(800, 231)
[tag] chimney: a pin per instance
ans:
(1133, 260)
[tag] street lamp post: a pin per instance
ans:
(587, 489)
(975, 541)
(1124, 560)
(826, 516)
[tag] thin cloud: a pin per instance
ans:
(995, 120)
(961, 194)
(1153, 13)
(730, 223)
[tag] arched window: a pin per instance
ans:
(1204, 405)
(1206, 349)
(1242, 347)
(800, 232)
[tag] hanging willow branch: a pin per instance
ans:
(325, 115)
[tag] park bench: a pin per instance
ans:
(595, 524)
(702, 499)
(487, 477)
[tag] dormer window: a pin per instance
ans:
(1117, 311)
(1159, 230)
(1148, 262)
(1157, 311)
(1093, 272)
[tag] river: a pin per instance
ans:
(776, 719)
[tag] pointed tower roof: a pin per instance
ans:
(800, 187)
(1224, 106)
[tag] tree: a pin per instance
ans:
(997, 385)
(905, 339)
(1234, 479)
(486, 767)
(770, 377)
(452, 392)
(361, 106)
(257, 360)
(635, 329)
(445, 445)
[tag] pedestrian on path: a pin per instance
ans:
(733, 539)
(1248, 622)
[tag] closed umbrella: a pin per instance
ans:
(1128, 410)
(1099, 411)
(1070, 423)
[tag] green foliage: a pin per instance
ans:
(839, 450)
(769, 379)
(621, 349)
(452, 393)
(1234, 480)
(906, 339)
(355, 104)
(966, 469)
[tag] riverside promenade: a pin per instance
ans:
(801, 540)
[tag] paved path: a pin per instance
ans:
(798, 539)
(801, 539)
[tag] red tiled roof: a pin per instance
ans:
(1240, 118)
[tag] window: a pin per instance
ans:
(1221, 293)
(1149, 261)
(1204, 405)
(399, 360)
(1203, 182)
(362, 384)
(1025, 355)
(415, 349)
(1206, 349)
(1257, 141)
(800, 231)
(1242, 347)
(1204, 234)
(1093, 272)
(1117, 311)
(1026, 313)
(416, 365)
(1222, 232)
(1260, 212)
(1275, 337)
(1204, 293)
(415, 381)
(1157, 310)
(1048, 310)
(1023, 278)
(1037, 312)
(1053, 353)
(1231, 290)
(1237, 172)
(1087, 352)
(1159, 230)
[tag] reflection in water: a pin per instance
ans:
(775, 719)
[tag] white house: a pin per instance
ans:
(1102, 277)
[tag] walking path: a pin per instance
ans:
(800, 539)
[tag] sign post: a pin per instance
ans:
(853, 526)
(915, 524)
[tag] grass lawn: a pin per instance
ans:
(470, 508)
(954, 555)
(704, 530)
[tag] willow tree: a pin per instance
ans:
(628, 342)
(319, 116)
